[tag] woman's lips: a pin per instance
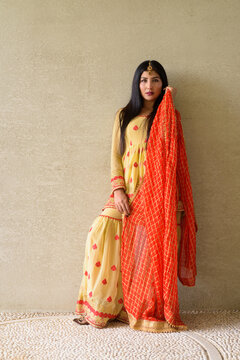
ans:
(149, 93)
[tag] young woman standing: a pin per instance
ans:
(145, 235)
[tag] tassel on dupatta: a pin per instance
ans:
(149, 262)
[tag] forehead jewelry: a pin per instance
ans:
(149, 68)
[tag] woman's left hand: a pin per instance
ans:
(172, 89)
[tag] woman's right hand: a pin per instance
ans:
(172, 89)
(121, 201)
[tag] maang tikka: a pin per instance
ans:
(149, 68)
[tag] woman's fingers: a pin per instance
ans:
(123, 207)
(172, 89)
(126, 208)
(122, 202)
(119, 207)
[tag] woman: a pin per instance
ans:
(145, 236)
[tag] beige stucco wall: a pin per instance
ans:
(66, 67)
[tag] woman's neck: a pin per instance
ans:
(147, 108)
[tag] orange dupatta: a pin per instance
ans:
(149, 261)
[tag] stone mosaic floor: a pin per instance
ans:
(47, 336)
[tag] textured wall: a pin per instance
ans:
(66, 67)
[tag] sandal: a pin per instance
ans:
(81, 320)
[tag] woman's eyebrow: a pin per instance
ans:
(154, 77)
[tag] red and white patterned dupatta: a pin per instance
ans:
(149, 261)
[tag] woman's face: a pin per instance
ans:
(150, 85)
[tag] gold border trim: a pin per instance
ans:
(154, 326)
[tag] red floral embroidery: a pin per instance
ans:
(90, 294)
(128, 153)
(86, 273)
(104, 281)
(116, 237)
(130, 180)
(98, 264)
(120, 301)
(109, 299)
(135, 127)
(94, 246)
(116, 177)
(101, 314)
(113, 268)
(135, 164)
(131, 142)
(90, 229)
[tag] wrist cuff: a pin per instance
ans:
(118, 183)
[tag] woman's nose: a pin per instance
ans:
(149, 84)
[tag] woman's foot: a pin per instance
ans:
(81, 320)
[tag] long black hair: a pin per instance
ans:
(135, 104)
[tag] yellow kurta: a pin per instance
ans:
(100, 295)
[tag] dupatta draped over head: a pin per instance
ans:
(150, 262)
